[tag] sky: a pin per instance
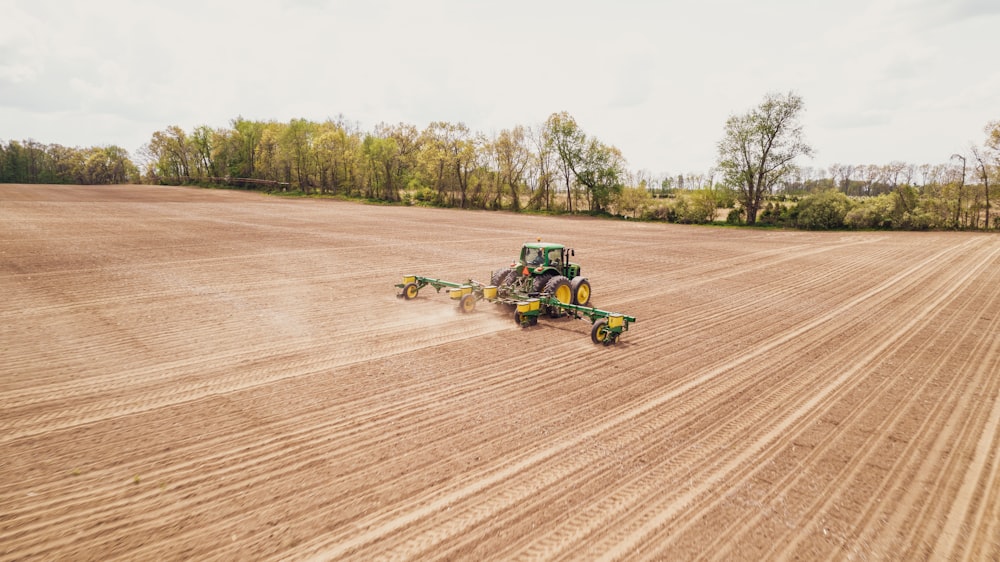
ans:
(882, 80)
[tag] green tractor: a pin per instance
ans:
(543, 269)
(541, 281)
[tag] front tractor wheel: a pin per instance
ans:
(600, 333)
(467, 304)
(581, 291)
(410, 291)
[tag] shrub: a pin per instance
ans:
(822, 211)
(632, 201)
(875, 212)
(660, 211)
(696, 207)
(776, 214)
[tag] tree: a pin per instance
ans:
(246, 138)
(512, 158)
(565, 137)
(203, 151)
(602, 173)
(391, 154)
(983, 157)
(597, 167)
(543, 160)
(171, 154)
(961, 185)
(297, 144)
(993, 135)
(758, 148)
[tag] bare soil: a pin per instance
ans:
(195, 374)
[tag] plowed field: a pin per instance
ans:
(194, 374)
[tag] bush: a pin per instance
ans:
(661, 211)
(425, 195)
(696, 207)
(632, 202)
(823, 211)
(875, 212)
(776, 214)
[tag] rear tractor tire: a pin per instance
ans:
(581, 291)
(501, 277)
(558, 288)
(540, 283)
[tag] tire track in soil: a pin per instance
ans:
(959, 425)
(308, 444)
(872, 406)
(286, 448)
(637, 496)
(39, 389)
(175, 393)
(448, 498)
(580, 480)
(973, 535)
(812, 405)
(276, 368)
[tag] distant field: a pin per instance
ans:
(195, 374)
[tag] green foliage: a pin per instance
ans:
(776, 213)
(758, 149)
(823, 211)
(695, 207)
(871, 213)
(725, 197)
(632, 201)
(598, 168)
(556, 168)
(32, 162)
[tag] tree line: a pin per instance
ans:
(32, 162)
(444, 164)
(553, 167)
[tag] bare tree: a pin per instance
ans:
(981, 166)
(758, 148)
(961, 185)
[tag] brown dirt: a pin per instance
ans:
(193, 374)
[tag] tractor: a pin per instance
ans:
(544, 268)
(541, 280)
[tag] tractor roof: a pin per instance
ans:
(543, 245)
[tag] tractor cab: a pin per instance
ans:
(540, 258)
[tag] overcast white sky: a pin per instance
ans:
(882, 80)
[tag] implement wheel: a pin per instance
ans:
(600, 333)
(410, 291)
(467, 304)
(523, 320)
